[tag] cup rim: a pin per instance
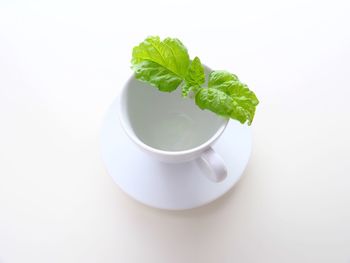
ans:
(130, 132)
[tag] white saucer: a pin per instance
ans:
(170, 186)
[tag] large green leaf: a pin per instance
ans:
(163, 64)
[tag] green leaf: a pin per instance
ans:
(228, 97)
(246, 100)
(157, 76)
(220, 79)
(214, 100)
(163, 64)
(195, 77)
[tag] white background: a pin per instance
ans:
(62, 64)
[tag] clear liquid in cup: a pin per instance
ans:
(166, 121)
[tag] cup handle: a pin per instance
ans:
(216, 165)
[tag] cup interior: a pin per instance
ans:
(166, 121)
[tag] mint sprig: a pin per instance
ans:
(166, 65)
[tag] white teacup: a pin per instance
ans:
(170, 128)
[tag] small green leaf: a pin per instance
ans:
(195, 77)
(245, 99)
(228, 97)
(163, 64)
